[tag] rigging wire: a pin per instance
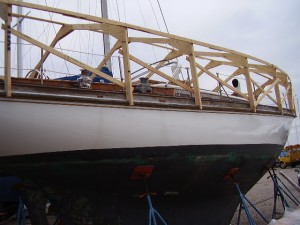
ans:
(118, 12)
(124, 11)
(163, 16)
(146, 26)
(155, 16)
(56, 34)
(89, 35)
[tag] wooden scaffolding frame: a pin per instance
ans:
(215, 56)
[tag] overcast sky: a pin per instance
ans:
(267, 29)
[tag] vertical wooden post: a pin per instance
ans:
(195, 80)
(290, 99)
(277, 92)
(249, 86)
(7, 52)
(127, 72)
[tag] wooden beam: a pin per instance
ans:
(260, 74)
(171, 55)
(237, 59)
(127, 71)
(249, 86)
(158, 72)
(3, 11)
(268, 69)
(220, 62)
(233, 59)
(210, 65)
(235, 73)
(221, 81)
(149, 40)
(283, 77)
(7, 52)
(63, 32)
(37, 18)
(263, 91)
(182, 46)
(117, 45)
(195, 79)
(129, 26)
(277, 93)
(266, 92)
(66, 57)
(258, 91)
(210, 54)
(290, 99)
(115, 31)
(286, 93)
(161, 46)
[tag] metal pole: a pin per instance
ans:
(7, 52)
(106, 44)
(296, 122)
(42, 66)
(295, 186)
(120, 68)
(19, 43)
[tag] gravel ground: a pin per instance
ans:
(262, 197)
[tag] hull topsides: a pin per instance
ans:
(29, 127)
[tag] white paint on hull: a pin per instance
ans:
(28, 127)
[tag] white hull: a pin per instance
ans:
(36, 127)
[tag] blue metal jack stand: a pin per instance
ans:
(279, 192)
(153, 212)
(243, 199)
(142, 173)
(243, 206)
(21, 214)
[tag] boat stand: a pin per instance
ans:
(280, 191)
(21, 214)
(142, 173)
(153, 214)
(243, 206)
(243, 199)
(59, 220)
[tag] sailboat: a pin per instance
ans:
(107, 151)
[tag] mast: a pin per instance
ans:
(19, 43)
(104, 13)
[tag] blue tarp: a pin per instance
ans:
(97, 79)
